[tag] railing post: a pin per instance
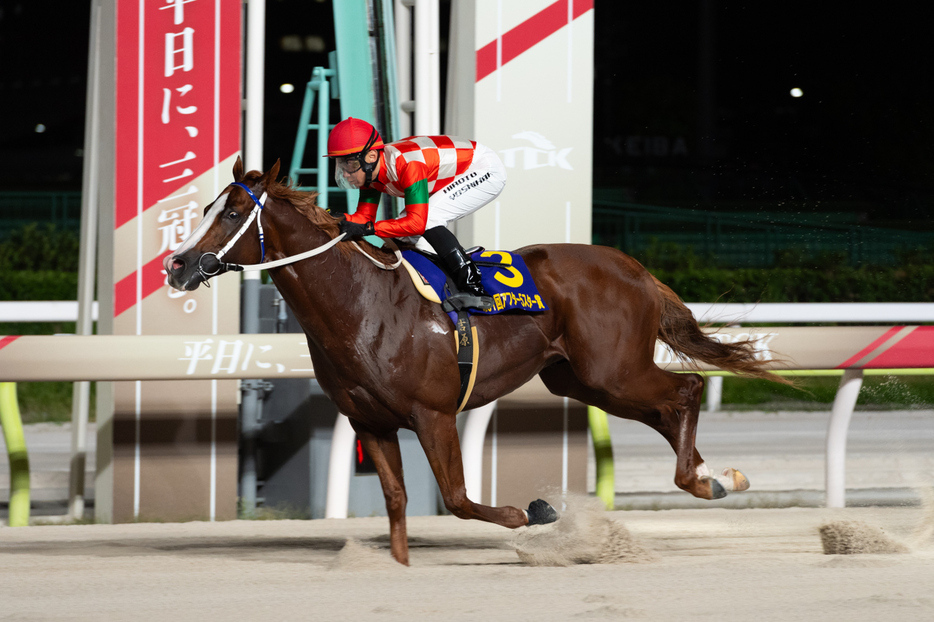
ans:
(339, 466)
(603, 454)
(840, 415)
(714, 393)
(472, 439)
(19, 457)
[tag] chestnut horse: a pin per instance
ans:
(386, 356)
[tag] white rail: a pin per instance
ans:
(42, 311)
(801, 312)
(786, 313)
(733, 313)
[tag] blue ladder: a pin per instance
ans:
(317, 88)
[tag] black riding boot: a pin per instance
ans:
(462, 270)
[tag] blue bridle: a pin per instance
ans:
(259, 223)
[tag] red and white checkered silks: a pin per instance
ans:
(437, 159)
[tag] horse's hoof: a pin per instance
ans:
(717, 491)
(733, 480)
(541, 513)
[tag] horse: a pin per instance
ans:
(386, 357)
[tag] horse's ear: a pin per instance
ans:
(271, 175)
(238, 169)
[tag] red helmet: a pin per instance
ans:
(352, 136)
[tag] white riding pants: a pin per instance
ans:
(482, 182)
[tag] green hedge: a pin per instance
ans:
(39, 262)
(837, 284)
(40, 247)
(798, 276)
(818, 392)
(832, 284)
(39, 285)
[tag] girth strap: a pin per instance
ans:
(468, 350)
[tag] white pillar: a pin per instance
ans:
(81, 395)
(840, 415)
(403, 23)
(253, 160)
(339, 464)
(255, 42)
(434, 65)
(427, 75)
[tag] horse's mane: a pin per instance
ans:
(306, 204)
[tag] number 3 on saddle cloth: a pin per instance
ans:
(503, 275)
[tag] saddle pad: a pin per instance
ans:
(510, 284)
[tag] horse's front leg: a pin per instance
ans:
(386, 456)
(437, 434)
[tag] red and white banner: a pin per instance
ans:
(177, 135)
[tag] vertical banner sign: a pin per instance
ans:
(532, 93)
(176, 136)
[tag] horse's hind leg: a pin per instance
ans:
(679, 427)
(387, 457)
(668, 403)
(438, 436)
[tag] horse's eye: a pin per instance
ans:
(233, 215)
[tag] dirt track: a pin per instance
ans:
(712, 565)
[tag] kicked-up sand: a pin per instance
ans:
(714, 564)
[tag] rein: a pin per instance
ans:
(210, 264)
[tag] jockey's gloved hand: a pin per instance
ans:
(355, 229)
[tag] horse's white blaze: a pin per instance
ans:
(205, 224)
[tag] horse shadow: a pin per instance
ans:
(300, 549)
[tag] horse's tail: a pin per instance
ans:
(681, 332)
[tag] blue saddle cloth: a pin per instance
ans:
(510, 283)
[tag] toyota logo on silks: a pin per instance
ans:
(540, 154)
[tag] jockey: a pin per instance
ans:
(443, 179)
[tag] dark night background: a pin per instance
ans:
(859, 140)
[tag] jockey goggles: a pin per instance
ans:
(350, 164)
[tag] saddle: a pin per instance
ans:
(503, 275)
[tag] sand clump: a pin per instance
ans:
(583, 534)
(357, 556)
(850, 537)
